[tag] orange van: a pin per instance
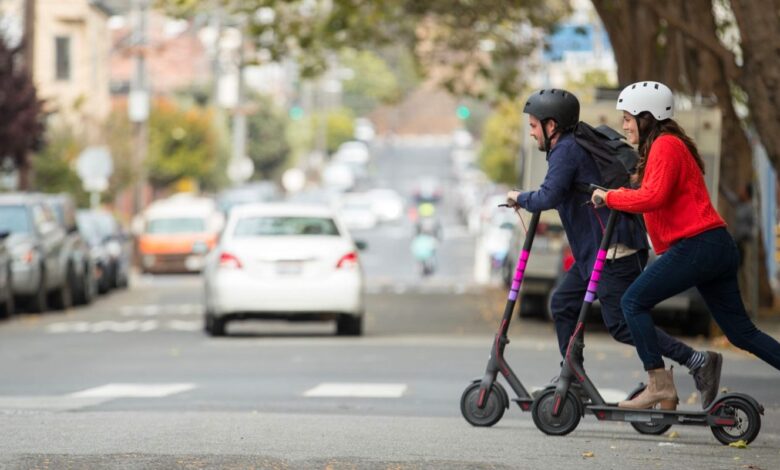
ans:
(178, 233)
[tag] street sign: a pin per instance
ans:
(94, 166)
(240, 170)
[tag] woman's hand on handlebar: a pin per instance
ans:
(599, 198)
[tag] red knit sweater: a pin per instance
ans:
(673, 195)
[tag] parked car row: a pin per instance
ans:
(46, 258)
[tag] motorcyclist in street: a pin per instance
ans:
(553, 115)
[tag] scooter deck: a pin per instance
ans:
(611, 412)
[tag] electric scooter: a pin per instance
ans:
(484, 401)
(557, 411)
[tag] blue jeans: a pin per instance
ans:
(616, 277)
(709, 262)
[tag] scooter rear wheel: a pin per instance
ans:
(747, 416)
(566, 421)
(494, 407)
(643, 428)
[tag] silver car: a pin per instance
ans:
(40, 268)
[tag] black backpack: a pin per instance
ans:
(614, 157)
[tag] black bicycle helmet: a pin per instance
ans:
(559, 105)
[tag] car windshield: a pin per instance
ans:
(284, 226)
(13, 219)
(176, 225)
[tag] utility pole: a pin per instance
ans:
(138, 103)
(28, 38)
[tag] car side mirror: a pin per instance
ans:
(361, 245)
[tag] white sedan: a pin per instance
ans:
(284, 261)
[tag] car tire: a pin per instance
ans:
(9, 305)
(63, 296)
(39, 300)
(349, 325)
(88, 286)
(214, 326)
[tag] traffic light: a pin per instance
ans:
(463, 112)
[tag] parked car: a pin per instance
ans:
(40, 270)
(285, 261)
(356, 211)
(76, 249)
(111, 247)
(89, 227)
(176, 234)
(7, 305)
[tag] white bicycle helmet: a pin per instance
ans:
(654, 97)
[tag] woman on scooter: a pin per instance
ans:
(684, 227)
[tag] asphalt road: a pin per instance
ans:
(132, 382)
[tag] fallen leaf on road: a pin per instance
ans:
(588, 454)
(673, 435)
(692, 399)
(740, 444)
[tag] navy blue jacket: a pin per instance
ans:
(569, 165)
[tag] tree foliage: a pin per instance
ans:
(267, 145)
(370, 81)
(182, 144)
(501, 143)
(53, 165)
(476, 47)
(21, 115)
(724, 49)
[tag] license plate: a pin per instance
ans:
(289, 268)
(193, 263)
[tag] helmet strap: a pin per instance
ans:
(547, 138)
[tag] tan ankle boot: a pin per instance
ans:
(659, 391)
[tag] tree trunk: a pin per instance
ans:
(759, 26)
(676, 43)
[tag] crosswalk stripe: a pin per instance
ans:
(131, 390)
(357, 390)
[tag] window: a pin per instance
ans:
(62, 57)
(13, 219)
(176, 225)
(281, 226)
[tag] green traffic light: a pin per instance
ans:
(296, 113)
(463, 112)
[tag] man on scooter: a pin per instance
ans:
(553, 114)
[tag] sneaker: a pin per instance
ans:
(707, 377)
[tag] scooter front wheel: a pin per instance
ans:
(747, 417)
(566, 421)
(644, 428)
(489, 414)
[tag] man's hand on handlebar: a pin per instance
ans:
(511, 198)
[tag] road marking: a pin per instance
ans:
(126, 390)
(155, 310)
(102, 326)
(357, 390)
